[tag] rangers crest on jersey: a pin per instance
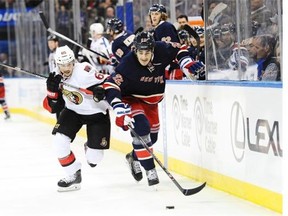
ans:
(118, 79)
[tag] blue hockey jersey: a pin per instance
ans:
(147, 83)
(122, 45)
(166, 31)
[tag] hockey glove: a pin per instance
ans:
(123, 116)
(98, 93)
(197, 68)
(235, 59)
(53, 83)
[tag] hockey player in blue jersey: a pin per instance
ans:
(163, 30)
(121, 40)
(137, 87)
(174, 71)
(121, 45)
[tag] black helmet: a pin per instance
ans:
(52, 37)
(115, 25)
(183, 34)
(199, 30)
(144, 41)
(158, 8)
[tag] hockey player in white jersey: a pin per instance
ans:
(79, 109)
(101, 45)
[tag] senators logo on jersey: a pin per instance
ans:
(104, 142)
(74, 97)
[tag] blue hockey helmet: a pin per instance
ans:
(157, 8)
(144, 41)
(115, 25)
(183, 34)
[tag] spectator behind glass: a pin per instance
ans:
(227, 54)
(148, 25)
(109, 13)
(94, 17)
(5, 72)
(260, 16)
(182, 21)
(262, 51)
(63, 21)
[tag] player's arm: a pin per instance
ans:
(112, 89)
(54, 101)
(113, 96)
(189, 65)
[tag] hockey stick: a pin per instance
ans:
(43, 18)
(42, 76)
(186, 192)
(140, 29)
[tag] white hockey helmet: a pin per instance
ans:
(64, 55)
(65, 59)
(97, 28)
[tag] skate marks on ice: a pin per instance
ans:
(30, 171)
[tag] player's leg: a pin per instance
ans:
(134, 165)
(5, 108)
(65, 131)
(3, 101)
(98, 134)
(142, 128)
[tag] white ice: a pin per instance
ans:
(29, 172)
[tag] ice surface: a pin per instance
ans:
(30, 171)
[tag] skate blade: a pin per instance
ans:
(73, 187)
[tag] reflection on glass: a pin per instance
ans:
(243, 39)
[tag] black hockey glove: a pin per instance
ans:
(53, 83)
(98, 93)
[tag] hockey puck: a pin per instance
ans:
(170, 207)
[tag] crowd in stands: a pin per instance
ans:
(91, 12)
(259, 46)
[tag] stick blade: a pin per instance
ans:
(188, 192)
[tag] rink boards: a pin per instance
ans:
(228, 134)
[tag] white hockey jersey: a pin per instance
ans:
(84, 75)
(101, 46)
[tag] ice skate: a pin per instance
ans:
(152, 177)
(134, 167)
(7, 115)
(70, 183)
